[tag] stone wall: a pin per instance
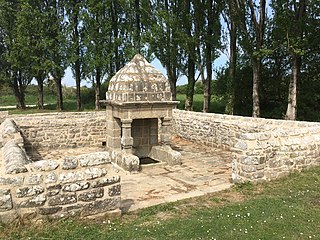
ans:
(61, 130)
(264, 149)
(84, 185)
(3, 115)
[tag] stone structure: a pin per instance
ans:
(62, 130)
(264, 149)
(138, 122)
(82, 185)
(139, 113)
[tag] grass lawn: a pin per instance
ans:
(285, 209)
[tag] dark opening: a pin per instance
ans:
(104, 144)
(147, 160)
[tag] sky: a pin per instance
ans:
(69, 81)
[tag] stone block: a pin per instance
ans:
(29, 191)
(101, 206)
(15, 181)
(51, 178)
(33, 202)
(114, 190)
(15, 158)
(165, 154)
(44, 165)
(5, 200)
(69, 163)
(105, 182)
(48, 210)
(34, 179)
(94, 159)
(241, 145)
(71, 176)
(91, 195)
(92, 173)
(53, 190)
(62, 199)
(73, 187)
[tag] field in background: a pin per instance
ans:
(88, 98)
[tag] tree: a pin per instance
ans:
(165, 41)
(57, 47)
(98, 32)
(189, 48)
(293, 35)
(207, 34)
(251, 22)
(74, 11)
(232, 30)
(33, 28)
(15, 64)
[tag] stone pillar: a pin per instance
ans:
(126, 138)
(165, 133)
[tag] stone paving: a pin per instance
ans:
(203, 170)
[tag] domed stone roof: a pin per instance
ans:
(138, 81)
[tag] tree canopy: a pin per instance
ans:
(273, 49)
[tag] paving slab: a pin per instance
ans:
(203, 170)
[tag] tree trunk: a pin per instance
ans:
(292, 96)
(59, 96)
(98, 88)
(172, 78)
(40, 104)
(18, 92)
(78, 87)
(232, 69)
(256, 68)
(190, 87)
(208, 59)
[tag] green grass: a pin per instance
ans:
(216, 104)
(285, 209)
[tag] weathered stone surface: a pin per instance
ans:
(33, 202)
(29, 191)
(94, 159)
(16, 181)
(53, 190)
(69, 163)
(114, 190)
(72, 176)
(5, 200)
(105, 182)
(62, 199)
(241, 145)
(91, 195)
(48, 210)
(34, 179)
(51, 178)
(100, 206)
(92, 173)
(15, 158)
(8, 216)
(44, 165)
(73, 187)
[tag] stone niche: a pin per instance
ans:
(139, 116)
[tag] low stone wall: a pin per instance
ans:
(84, 185)
(81, 186)
(72, 129)
(264, 149)
(3, 115)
